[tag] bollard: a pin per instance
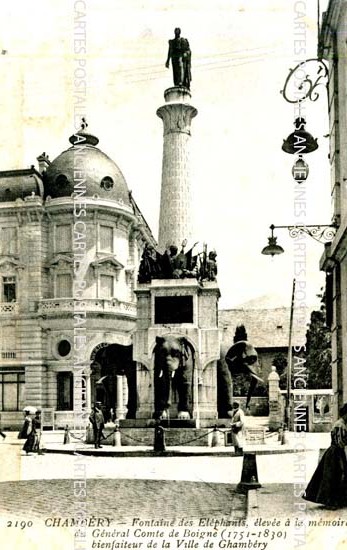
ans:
(66, 435)
(215, 442)
(159, 438)
(117, 437)
(280, 435)
(249, 476)
(284, 436)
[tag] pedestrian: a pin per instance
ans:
(28, 432)
(96, 419)
(237, 427)
(1, 432)
(38, 432)
(328, 485)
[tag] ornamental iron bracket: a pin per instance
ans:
(320, 233)
(302, 81)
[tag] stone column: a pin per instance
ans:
(120, 410)
(87, 373)
(125, 395)
(175, 221)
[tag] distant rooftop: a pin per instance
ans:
(266, 327)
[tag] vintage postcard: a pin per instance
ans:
(172, 202)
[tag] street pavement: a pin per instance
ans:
(149, 486)
(121, 500)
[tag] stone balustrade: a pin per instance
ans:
(56, 305)
(8, 307)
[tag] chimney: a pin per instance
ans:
(44, 162)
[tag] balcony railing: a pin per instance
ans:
(8, 307)
(55, 306)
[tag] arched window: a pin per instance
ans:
(61, 180)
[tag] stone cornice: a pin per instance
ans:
(61, 259)
(12, 260)
(109, 260)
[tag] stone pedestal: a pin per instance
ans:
(201, 332)
(177, 308)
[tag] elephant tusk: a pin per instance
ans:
(160, 374)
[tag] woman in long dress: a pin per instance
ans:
(28, 432)
(328, 485)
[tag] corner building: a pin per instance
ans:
(38, 247)
(332, 47)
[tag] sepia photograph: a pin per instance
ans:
(173, 274)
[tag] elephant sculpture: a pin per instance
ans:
(241, 359)
(173, 371)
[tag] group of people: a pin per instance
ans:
(31, 432)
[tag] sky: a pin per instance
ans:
(242, 51)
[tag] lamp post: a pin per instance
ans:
(323, 233)
(287, 416)
(301, 84)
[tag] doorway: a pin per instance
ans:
(113, 380)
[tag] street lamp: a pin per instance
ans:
(272, 248)
(321, 233)
(302, 83)
(300, 141)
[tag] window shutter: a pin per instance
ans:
(106, 286)
(64, 285)
(106, 238)
(63, 241)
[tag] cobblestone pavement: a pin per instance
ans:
(121, 500)
(284, 500)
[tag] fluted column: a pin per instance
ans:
(87, 373)
(120, 409)
(175, 221)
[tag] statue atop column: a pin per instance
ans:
(180, 55)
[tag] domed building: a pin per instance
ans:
(71, 241)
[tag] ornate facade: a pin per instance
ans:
(41, 215)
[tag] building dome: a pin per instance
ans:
(88, 166)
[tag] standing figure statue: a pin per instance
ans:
(180, 55)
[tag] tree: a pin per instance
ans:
(318, 350)
(280, 362)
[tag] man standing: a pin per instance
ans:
(97, 420)
(180, 55)
(237, 427)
